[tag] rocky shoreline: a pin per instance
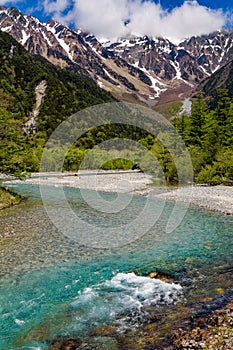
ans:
(211, 332)
(217, 198)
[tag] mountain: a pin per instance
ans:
(152, 70)
(222, 78)
(35, 97)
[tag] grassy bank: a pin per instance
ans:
(8, 198)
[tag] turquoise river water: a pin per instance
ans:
(52, 286)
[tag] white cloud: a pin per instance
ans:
(5, 2)
(103, 17)
(56, 7)
(192, 19)
(106, 18)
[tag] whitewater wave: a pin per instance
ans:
(123, 300)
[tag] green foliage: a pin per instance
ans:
(119, 163)
(8, 198)
(224, 163)
(208, 175)
(197, 118)
(66, 93)
(208, 134)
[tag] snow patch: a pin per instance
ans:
(78, 31)
(157, 85)
(25, 37)
(177, 69)
(6, 29)
(64, 45)
(50, 28)
(178, 74)
(205, 71)
(220, 61)
(107, 73)
(95, 50)
(46, 38)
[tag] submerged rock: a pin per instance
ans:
(101, 343)
(66, 344)
(153, 274)
(104, 331)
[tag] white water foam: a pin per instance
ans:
(127, 295)
(146, 291)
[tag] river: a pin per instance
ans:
(53, 286)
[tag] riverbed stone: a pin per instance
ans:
(66, 344)
(162, 276)
(100, 343)
(106, 330)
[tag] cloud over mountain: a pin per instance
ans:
(6, 2)
(113, 19)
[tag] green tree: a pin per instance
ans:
(197, 118)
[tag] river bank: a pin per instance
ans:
(8, 198)
(218, 198)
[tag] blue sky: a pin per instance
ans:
(224, 4)
(106, 18)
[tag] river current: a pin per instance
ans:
(53, 286)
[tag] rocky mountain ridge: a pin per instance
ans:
(147, 69)
(222, 78)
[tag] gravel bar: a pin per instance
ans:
(217, 198)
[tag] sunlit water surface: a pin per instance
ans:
(54, 286)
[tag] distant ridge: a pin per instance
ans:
(134, 68)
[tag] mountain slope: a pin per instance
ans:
(21, 74)
(146, 69)
(26, 120)
(222, 78)
(63, 47)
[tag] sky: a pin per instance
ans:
(112, 19)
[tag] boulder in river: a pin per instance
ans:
(162, 276)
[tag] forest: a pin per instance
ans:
(207, 132)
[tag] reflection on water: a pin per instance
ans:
(51, 285)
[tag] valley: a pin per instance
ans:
(116, 158)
